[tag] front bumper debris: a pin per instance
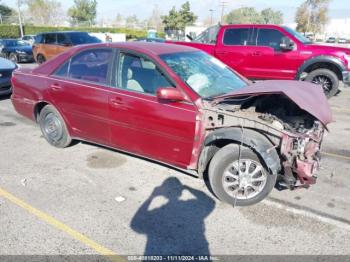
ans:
(346, 78)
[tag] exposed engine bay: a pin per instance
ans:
(293, 132)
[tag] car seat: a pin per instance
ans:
(132, 84)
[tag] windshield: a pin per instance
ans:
(15, 43)
(297, 35)
(83, 38)
(205, 74)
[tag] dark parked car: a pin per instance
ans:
(6, 69)
(16, 50)
(180, 106)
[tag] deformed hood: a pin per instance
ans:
(307, 96)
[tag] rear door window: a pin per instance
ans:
(270, 37)
(239, 36)
(91, 65)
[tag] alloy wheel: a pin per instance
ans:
(244, 179)
(324, 81)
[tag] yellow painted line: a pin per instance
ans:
(339, 109)
(61, 226)
(336, 155)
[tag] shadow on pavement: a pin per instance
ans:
(176, 227)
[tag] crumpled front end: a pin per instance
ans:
(301, 156)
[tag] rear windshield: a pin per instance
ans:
(83, 38)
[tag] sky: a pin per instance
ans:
(143, 8)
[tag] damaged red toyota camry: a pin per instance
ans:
(183, 107)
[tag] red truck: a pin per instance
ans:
(275, 52)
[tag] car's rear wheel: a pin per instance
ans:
(326, 78)
(238, 177)
(13, 57)
(53, 127)
(40, 59)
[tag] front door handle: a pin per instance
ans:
(257, 53)
(56, 86)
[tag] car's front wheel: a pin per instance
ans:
(325, 78)
(238, 177)
(53, 127)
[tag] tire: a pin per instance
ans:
(13, 57)
(327, 79)
(224, 178)
(40, 59)
(53, 127)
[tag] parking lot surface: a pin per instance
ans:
(87, 199)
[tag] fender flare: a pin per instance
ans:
(320, 59)
(250, 138)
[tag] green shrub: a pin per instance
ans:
(9, 31)
(12, 31)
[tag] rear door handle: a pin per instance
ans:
(257, 53)
(56, 87)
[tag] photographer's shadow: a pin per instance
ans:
(177, 227)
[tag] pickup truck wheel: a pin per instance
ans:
(239, 178)
(326, 78)
(53, 127)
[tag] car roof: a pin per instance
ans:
(145, 47)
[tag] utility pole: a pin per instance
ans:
(19, 17)
(211, 16)
(223, 4)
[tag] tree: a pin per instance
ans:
(178, 20)
(312, 16)
(83, 11)
(186, 17)
(7, 14)
(302, 18)
(6, 11)
(155, 20)
(243, 15)
(269, 16)
(44, 12)
(249, 15)
(132, 21)
(119, 20)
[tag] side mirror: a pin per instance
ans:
(286, 44)
(170, 93)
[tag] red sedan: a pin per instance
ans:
(183, 107)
